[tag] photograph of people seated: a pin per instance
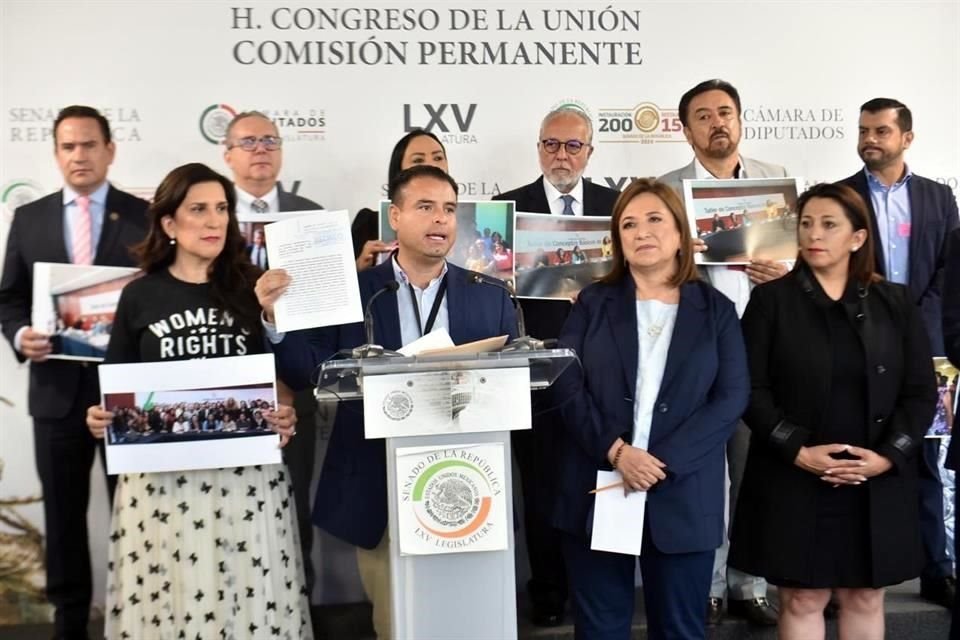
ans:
(484, 240)
(740, 223)
(557, 256)
(176, 416)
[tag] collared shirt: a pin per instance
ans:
(245, 201)
(98, 205)
(740, 173)
(555, 198)
(408, 317)
(409, 331)
(892, 208)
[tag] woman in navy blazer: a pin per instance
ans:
(650, 320)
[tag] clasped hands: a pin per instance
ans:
(819, 461)
(640, 469)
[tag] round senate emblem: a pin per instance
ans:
(214, 121)
(646, 117)
(397, 405)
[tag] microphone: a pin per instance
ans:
(371, 349)
(522, 342)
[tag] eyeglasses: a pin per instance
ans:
(249, 143)
(573, 147)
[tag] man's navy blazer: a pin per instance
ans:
(933, 215)
(704, 391)
(351, 499)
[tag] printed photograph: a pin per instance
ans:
(75, 305)
(557, 256)
(251, 228)
(145, 417)
(204, 413)
(946, 375)
(740, 220)
(484, 237)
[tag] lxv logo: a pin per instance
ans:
(450, 122)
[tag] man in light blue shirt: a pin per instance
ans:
(912, 216)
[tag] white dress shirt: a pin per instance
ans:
(555, 198)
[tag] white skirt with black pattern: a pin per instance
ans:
(205, 555)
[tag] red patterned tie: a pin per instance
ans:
(82, 233)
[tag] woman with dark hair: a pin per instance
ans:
(843, 392)
(208, 553)
(416, 147)
(664, 381)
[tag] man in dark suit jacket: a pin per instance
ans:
(912, 217)
(951, 339)
(88, 222)
(351, 501)
(254, 153)
(564, 148)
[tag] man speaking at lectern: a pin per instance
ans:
(351, 501)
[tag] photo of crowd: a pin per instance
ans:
(946, 375)
(739, 222)
(484, 237)
(178, 416)
(557, 256)
(75, 306)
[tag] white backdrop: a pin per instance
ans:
(168, 74)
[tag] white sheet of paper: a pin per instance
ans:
(436, 339)
(617, 519)
(317, 251)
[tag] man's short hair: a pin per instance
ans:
(715, 84)
(568, 110)
(81, 111)
(402, 179)
(904, 117)
(243, 115)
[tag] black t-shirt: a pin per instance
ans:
(162, 318)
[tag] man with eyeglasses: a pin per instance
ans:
(564, 148)
(254, 153)
(710, 114)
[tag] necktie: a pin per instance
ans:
(259, 206)
(82, 232)
(567, 204)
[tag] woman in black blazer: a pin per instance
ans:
(842, 394)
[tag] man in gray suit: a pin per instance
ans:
(254, 153)
(710, 113)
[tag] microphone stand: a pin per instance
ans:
(522, 342)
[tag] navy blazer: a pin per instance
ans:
(351, 499)
(951, 324)
(933, 215)
(704, 390)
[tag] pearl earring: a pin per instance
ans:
(173, 240)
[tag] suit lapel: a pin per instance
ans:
(621, 308)
(386, 317)
(456, 309)
(536, 198)
(55, 213)
(686, 330)
(110, 229)
(918, 222)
